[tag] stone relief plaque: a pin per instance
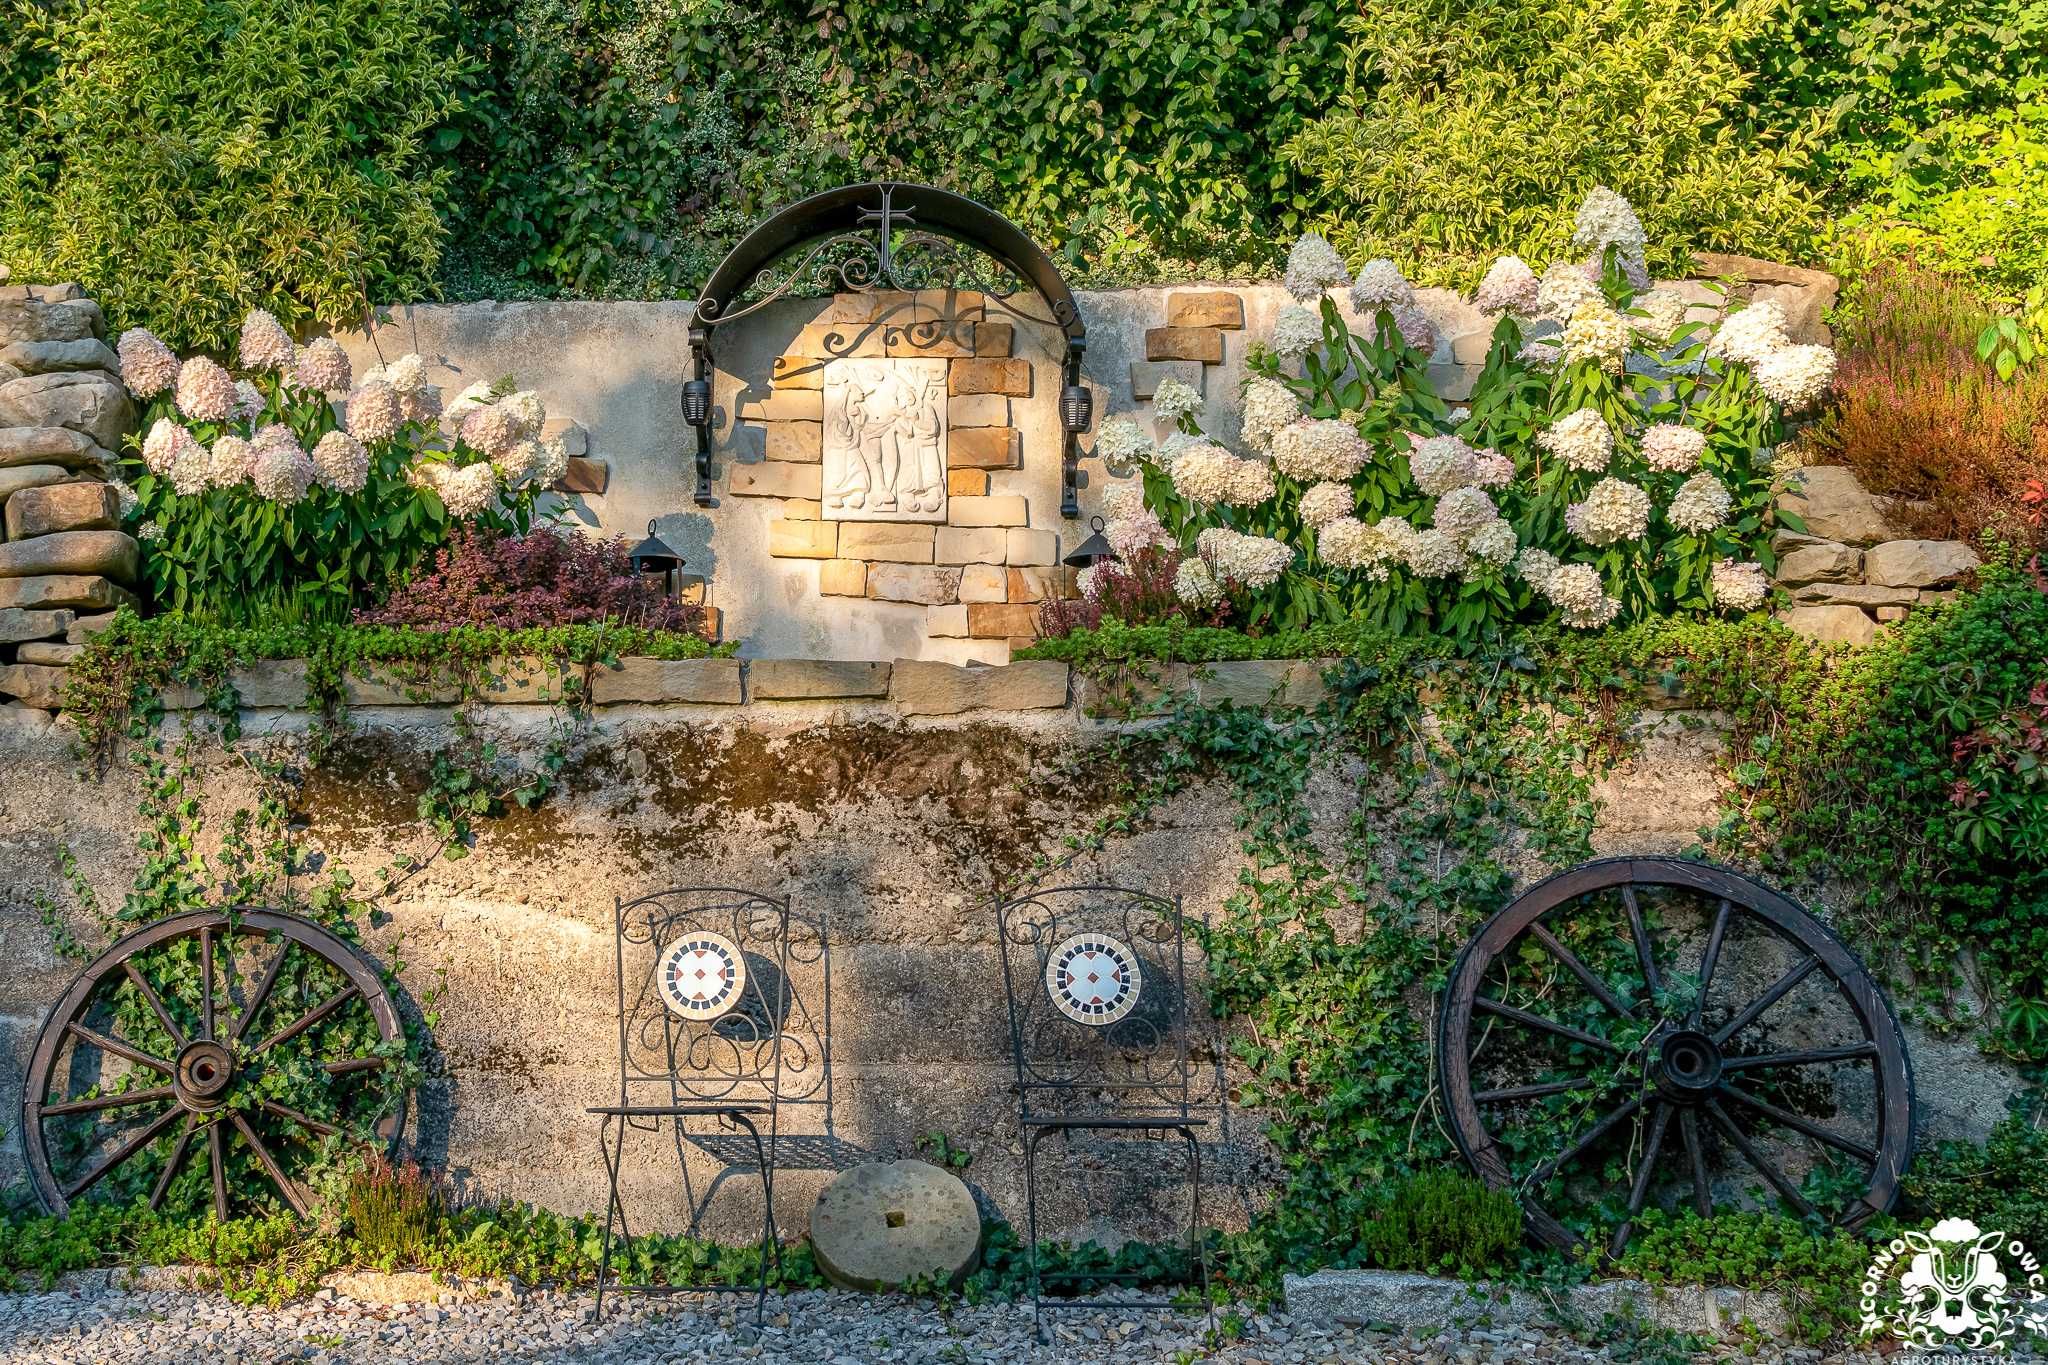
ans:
(885, 440)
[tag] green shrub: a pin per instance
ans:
(2001, 1185)
(187, 160)
(1446, 1223)
(1463, 132)
(1819, 1272)
(391, 1209)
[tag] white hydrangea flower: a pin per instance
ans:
(1121, 441)
(1415, 327)
(265, 345)
(1581, 439)
(323, 367)
(1491, 469)
(1509, 287)
(1739, 586)
(1672, 448)
(1296, 332)
(1317, 448)
(1313, 266)
(372, 412)
(188, 465)
(407, 374)
(1175, 399)
(1442, 463)
(1212, 476)
(1563, 288)
(1124, 498)
(1380, 285)
(283, 473)
(206, 392)
(1432, 553)
(1324, 503)
(249, 401)
(160, 446)
(1348, 543)
(493, 430)
(527, 410)
(554, 463)
(1269, 405)
(1248, 561)
(1663, 312)
(1606, 219)
(127, 498)
(423, 405)
(1701, 503)
(1613, 511)
(1581, 597)
(1173, 445)
(470, 489)
(341, 462)
(1462, 511)
(1750, 336)
(1794, 377)
(1597, 333)
(149, 531)
(1536, 566)
(1494, 543)
(477, 395)
(1140, 531)
(147, 365)
(1195, 584)
(1541, 353)
(231, 461)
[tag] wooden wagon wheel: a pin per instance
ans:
(253, 1033)
(1627, 997)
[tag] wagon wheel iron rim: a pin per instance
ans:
(1684, 1076)
(197, 1093)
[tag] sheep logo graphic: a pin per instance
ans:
(1954, 1287)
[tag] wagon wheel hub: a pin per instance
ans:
(1687, 1066)
(205, 1072)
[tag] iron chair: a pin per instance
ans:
(713, 1028)
(1096, 979)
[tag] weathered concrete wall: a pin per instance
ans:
(900, 828)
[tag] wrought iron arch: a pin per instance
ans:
(885, 235)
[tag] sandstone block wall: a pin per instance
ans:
(1851, 570)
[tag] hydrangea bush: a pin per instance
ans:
(293, 491)
(1613, 461)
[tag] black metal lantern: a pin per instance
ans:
(1092, 551)
(1077, 407)
(697, 402)
(653, 556)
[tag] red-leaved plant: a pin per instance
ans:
(483, 577)
(1137, 591)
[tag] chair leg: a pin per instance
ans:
(771, 1244)
(1201, 1242)
(1032, 1137)
(613, 1210)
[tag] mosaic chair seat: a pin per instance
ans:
(715, 1036)
(1096, 979)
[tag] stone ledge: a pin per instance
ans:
(714, 682)
(815, 679)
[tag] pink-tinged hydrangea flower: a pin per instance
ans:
(1348, 543)
(493, 430)
(1540, 354)
(188, 465)
(341, 462)
(1442, 463)
(1536, 566)
(1751, 336)
(1597, 333)
(1462, 511)
(373, 413)
(1563, 288)
(1380, 284)
(1509, 287)
(1244, 561)
(1612, 511)
(323, 367)
(1269, 405)
(1124, 498)
(1701, 503)
(160, 446)
(1494, 543)
(1212, 476)
(1415, 327)
(1663, 312)
(477, 395)
(1581, 439)
(1139, 531)
(422, 405)
(1491, 469)
(407, 374)
(1739, 586)
(1673, 449)
(1581, 598)
(1175, 399)
(527, 410)
(147, 365)
(1319, 448)
(266, 346)
(1313, 266)
(231, 461)
(206, 392)
(1195, 584)
(249, 401)
(1324, 503)
(1794, 377)
(1296, 332)
(1431, 553)
(283, 472)
(469, 490)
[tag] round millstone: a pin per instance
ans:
(890, 1223)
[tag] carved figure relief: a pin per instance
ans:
(885, 440)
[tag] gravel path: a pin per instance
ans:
(101, 1328)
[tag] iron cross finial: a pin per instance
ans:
(886, 217)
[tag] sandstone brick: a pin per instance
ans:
(798, 442)
(13, 480)
(836, 340)
(843, 578)
(1000, 510)
(968, 545)
(785, 405)
(85, 627)
(966, 483)
(977, 410)
(44, 357)
(51, 445)
(815, 679)
(1820, 561)
(1855, 595)
(1146, 375)
(933, 338)
(901, 305)
(1845, 625)
(1205, 308)
(708, 681)
(776, 479)
(984, 583)
(41, 320)
(36, 684)
(527, 680)
(1916, 563)
(88, 401)
(965, 653)
(803, 539)
(797, 372)
(898, 542)
(47, 652)
(994, 338)
(376, 685)
(850, 308)
(925, 688)
(1204, 344)
(584, 476)
(18, 624)
(947, 622)
(1002, 620)
(921, 583)
(1291, 683)
(803, 509)
(983, 448)
(83, 592)
(108, 554)
(1031, 547)
(270, 683)
(62, 507)
(1036, 584)
(1012, 377)
(1835, 506)
(1885, 616)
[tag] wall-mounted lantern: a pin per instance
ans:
(652, 557)
(1091, 551)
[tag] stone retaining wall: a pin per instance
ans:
(1852, 569)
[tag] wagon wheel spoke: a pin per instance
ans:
(94, 1175)
(1813, 1056)
(305, 1121)
(286, 1186)
(1640, 1191)
(262, 991)
(214, 1156)
(1585, 974)
(117, 1047)
(1537, 1021)
(1785, 1188)
(1529, 1092)
(1754, 1010)
(1696, 1157)
(352, 1064)
(155, 1003)
(1710, 959)
(307, 1020)
(1646, 951)
(170, 1170)
(1617, 1116)
(206, 982)
(1800, 1124)
(124, 1100)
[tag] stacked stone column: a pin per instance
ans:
(65, 565)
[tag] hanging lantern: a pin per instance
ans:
(1091, 551)
(652, 556)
